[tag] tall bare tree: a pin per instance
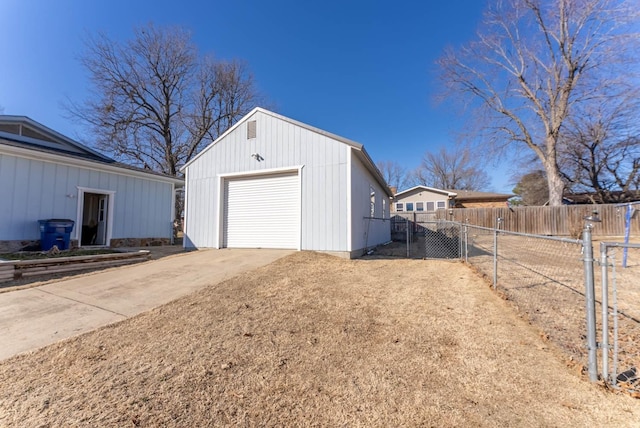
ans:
(535, 63)
(457, 169)
(155, 101)
(394, 174)
(601, 154)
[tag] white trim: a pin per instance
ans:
(82, 163)
(172, 213)
(220, 216)
(261, 172)
(349, 201)
(300, 207)
(110, 210)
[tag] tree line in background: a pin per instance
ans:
(156, 101)
(456, 169)
(556, 81)
(552, 82)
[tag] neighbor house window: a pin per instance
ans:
(442, 205)
(430, 206)
(419, 206)
(384, 208)
(399, 206)
(409, 206)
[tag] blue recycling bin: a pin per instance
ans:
(55, 232)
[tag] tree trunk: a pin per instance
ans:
(556, 185)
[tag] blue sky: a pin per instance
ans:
(361, 69)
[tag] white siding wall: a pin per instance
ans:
(282, 145)
(367, 233)
(31, 190)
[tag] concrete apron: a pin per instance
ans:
(36, 317)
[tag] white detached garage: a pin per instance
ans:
(273, 182)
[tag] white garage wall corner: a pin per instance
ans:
(366, 232)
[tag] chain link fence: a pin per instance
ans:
(588, 306)
(620, 319)
(541, 276)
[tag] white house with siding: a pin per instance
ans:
(273, 182)
(46, 175)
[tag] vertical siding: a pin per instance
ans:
(282, 145)
(367, 232)
(37, 189)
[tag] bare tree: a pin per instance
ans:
(155, 101)
(532, 189)
(394, 174)
(535, 63)
(601, 155)
(458, 169)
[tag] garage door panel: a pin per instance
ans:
(262, 212)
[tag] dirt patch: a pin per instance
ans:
(313, 340)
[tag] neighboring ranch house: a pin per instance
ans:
(46, 175)
(273, 182)
(428, 199)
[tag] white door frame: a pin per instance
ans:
(110, 194)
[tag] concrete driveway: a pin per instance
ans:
(36, 317)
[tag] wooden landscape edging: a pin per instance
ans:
(16, 269)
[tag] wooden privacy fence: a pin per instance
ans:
(567, 220)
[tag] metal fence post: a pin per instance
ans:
(406, 223)
(590, 302)
(495, 253)
(466, 241)
(605, 310)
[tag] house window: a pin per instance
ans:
(419, 206)
(399, 206)
(409, 206)
(384, 208)
(442, 205)
(430, 206)
(372, 210)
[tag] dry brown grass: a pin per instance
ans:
(313, 340)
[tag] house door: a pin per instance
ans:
(95, 210)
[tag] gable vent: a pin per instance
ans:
(251, 129)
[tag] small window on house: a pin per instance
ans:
(372, 210)
(399, 206)
(430, 206)
(384, 208)
(251, 129)
(442, 205)
(419, 206)
(409, 206)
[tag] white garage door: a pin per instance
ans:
(262, 212)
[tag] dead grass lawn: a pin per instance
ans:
(313, 340)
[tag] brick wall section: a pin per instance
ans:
(26, 245)
(140, 242)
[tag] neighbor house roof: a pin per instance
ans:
(459, 195)
(359, 148)
(471, 195)
(21, 135)
(448, 193)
